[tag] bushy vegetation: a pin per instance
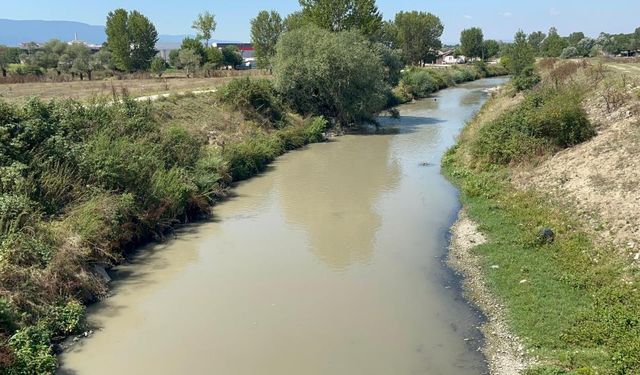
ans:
(335, 75)
(546, 121)
(81, 184)
(257, 99)
(416, 83)
(573, 304)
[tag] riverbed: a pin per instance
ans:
(330, 262)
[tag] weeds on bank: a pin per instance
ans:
(573, 304)
(81, 184)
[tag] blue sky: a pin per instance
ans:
(498, 18)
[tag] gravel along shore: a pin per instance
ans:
(503, 350)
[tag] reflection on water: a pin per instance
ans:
(327, 264)
(334, 196)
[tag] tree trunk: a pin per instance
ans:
(82, 76)
(4, 72)
(89, 73)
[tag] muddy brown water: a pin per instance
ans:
(328, 263)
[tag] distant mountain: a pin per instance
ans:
(14, 32)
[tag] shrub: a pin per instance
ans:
(546, 120)
(419, 83)
(256, 99)
(32, 352)
(332, 74)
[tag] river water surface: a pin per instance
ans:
(329, 263)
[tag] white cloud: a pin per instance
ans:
(554, 12)
(468, 16)
(506, 14)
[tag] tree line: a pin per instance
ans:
(130, 47)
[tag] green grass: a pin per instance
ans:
(578, 311)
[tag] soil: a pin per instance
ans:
(503, 350)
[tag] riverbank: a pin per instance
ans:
(85, 184)
(553, 257)
(502, 349)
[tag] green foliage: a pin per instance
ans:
(250, 157)
(576, 315)
(196, 46)
(32, 352)
(419, 83)
(256, 99)
(553, 44)
(205, 25)
(131, 40)
(519, 55)
(336, 75)
(491, 48)
(535, 40)
(189, 60)
(342, 15)
(418, 34)
(547, 120)
(265, 31)
(158, 66)
(231, 56)
(79, 184)
(472, 42)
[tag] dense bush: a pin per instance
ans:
(336, 75)
(250, 157)
(256, 99)
(547, 120)
(80, 184)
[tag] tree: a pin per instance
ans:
(553, 44)
(471, 42)
(419, 35)
(214, 57)
(8, 55)
(189, 60)
(158, 66)
(569, 53)
(174, 59)
(131, 40)
(143, 39)
(79, 54)
(118, 39)
(231, 56)
(535, 40)
(491, 48)
(520, 54)
(335, 75)
(196, 46)
(65, 62)
(265, 31)
(293, 21)
(585, 46)
(340, 15)
(205, 25)
(574, 38)
(636, 39)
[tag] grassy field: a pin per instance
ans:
(82, 90)
(573, 301)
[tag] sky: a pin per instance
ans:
(499, 19)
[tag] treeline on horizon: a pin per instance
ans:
(415, 34)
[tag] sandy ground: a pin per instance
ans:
(599, 179)
(503, 350)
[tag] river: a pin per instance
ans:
(331, 262)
